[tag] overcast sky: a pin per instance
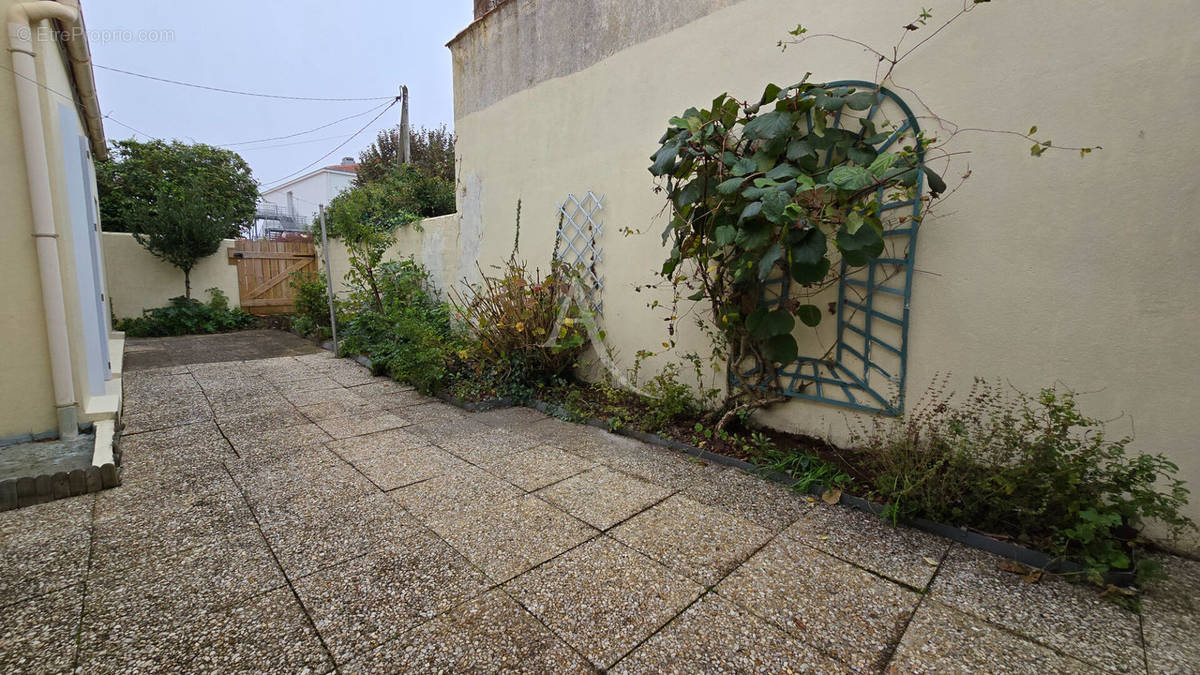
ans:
(343, 48)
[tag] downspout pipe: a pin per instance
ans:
(23, 18)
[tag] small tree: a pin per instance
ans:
(178, 200)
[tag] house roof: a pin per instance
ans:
(349, 168)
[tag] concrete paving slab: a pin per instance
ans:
(1071, 618)
(898, 553)
(943, 640)
(488, 634)
(850, 614)
(602, 497)
(716, 636)
(44, 547)
(38, 635)
(698, 541)
(603, 598)
(370, 600)
(540, 466)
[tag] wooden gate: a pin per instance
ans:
(264, 269)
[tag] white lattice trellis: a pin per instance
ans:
(578, 231)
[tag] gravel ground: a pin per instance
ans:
(295, 514)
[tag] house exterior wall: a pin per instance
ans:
(1038, 271)
(308, 192)
(26, 388)
(137, 280)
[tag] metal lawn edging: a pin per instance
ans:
(1026, 556)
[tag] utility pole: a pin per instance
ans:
(405, 150)
(328, 279)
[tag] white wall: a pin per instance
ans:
(316, 188)
(1081, 272)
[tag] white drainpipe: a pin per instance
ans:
(22, 22)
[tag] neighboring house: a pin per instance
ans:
(290, 207)
(60, 366)
(1037, 271)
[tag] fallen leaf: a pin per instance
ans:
(823, 537)
(930, 561)
(832, 496)
(1033, 577)
(1014, 567)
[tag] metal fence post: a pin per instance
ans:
(328, 279)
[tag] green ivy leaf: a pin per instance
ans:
(770, 94)
(799, 148)
(851, 177)
(769, 126)
(810, 315)
(781, 349)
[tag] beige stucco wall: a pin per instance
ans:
(137, 280)
(1063, 270)
(433, 242)
(26, 391)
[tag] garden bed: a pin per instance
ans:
(680, 437)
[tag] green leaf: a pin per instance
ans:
(936, 184)
(725, 234)
(809, 247)
(754, 235)
(774, 202)
(860, 100)
(664, 159)
(783, 172)
(763, 323)
(770, 94)
(810, 273)
(769, 126)
(744, 166)
(851, 177)
(854, 220)
(799, 148)
(862, 155)
(730, 186)
(830, 103)
(818, 119)
(767, 263)
(752, 209)
(861, 247)
(781, 349)
(809, 315)
(876, 139)
(882, 163)
(690, 194)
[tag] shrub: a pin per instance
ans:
(1033, 468)
(407, 332)
(311, 305)
(512, 318)
(187, 316)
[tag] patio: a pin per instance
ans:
(295, 513)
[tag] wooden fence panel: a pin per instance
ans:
(264, 269)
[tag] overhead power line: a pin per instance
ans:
(308, 131)
(236, 91)
(339, 147)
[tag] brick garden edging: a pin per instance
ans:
(16, 493)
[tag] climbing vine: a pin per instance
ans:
(791, 184)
